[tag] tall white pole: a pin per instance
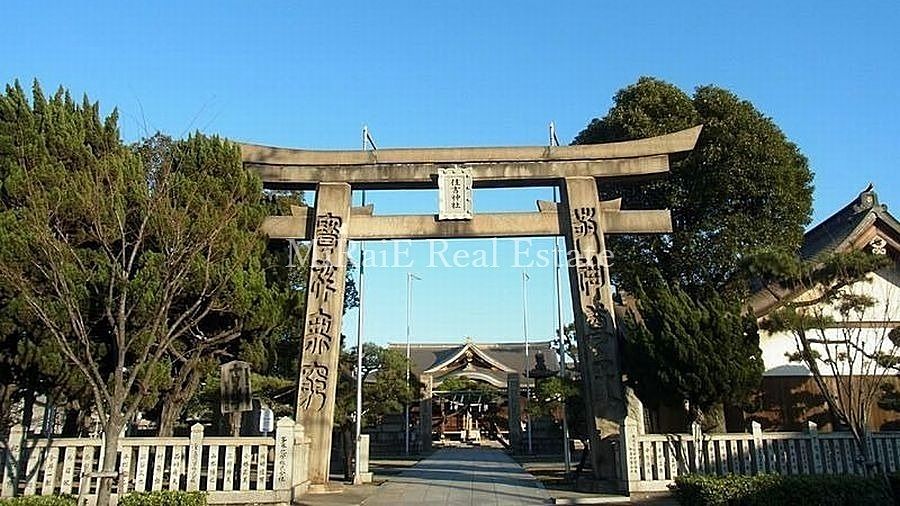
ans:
(527, 354)
(409, 278)
(357, 475)
(559, 320)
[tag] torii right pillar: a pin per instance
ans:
(598, 353)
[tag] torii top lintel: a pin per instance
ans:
(490, 166)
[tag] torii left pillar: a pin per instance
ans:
(322, 327)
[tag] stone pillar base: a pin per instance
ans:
(325, 488)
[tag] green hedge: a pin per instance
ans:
(773, 489)
(894, 479)
(40, 500)
(164, 498)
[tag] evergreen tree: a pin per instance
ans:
(743, 187)
(125, 264)
(704, 351)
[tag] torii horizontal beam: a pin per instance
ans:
(545, 223)
(491, 166)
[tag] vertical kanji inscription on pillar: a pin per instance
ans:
(321, 330)
(595, 327)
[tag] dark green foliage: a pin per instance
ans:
(548, 397)
(549, 394)
(894, 482)
(45, 138)
(890, 398)
(777, 490)
(40, 500)
(679, 347)
(127, 260)
(461, 385)
(385, 390)
(164, 498)
(136, 262)
(744, 186)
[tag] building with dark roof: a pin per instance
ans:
(790, 396)
(468, 387)
(489, 363)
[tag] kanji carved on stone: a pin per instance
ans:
(323, 279)
(591, 275)
(328, 230)
(313, 386)
(584, 224)
(318, 332)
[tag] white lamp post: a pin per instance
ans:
(554, 141)
(409, 279)
(525, 279)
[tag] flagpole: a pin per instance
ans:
(525, 279)
(409, 279)
(554, 141)
(357, 471)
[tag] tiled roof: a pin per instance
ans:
(839, 231)
(512, 355)
(843, 226)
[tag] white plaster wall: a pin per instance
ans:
(883, 286)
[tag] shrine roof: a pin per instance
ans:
(854, 226)
(432, 356)
(841, 229)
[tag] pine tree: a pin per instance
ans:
(126, 264)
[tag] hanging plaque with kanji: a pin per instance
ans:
(454, 193)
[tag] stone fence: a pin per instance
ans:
(653, 461)
(242, 470)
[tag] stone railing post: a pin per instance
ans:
(758, 455)
(13, 457)
(630, 452)
(812, 431)
(284, 462)
(697, 437)
(300, 454)
(195, 457)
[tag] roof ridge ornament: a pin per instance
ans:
(867, 199)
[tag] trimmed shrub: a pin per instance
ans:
(164, 498)
(774, 489)
(40, 500)
(894, 480)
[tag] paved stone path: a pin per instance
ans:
(461, 476)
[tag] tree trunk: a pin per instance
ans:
(111, 433)
(28, 400)
(6, 404)
(168, 417)
(186, 384)
(712, 419)
(72, 423)
(349, 450)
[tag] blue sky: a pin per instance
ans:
(431, 73)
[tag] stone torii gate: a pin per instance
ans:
(581, 217)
